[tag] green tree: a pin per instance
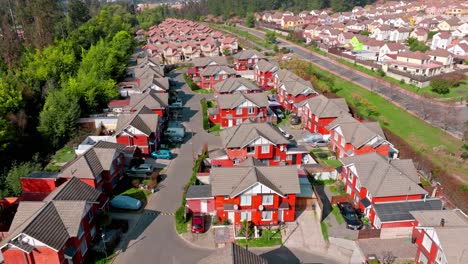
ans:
(250, 20)
(57, 121)
(270, 37)
(10, 96)
(17, 171)
(78, 13)
(416, 45)
(440, 86)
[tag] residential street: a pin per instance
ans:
(438, 114)
(154, 239)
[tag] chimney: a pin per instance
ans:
(442, 222)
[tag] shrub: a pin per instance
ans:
(381, 72)
(204, 106)
(440, 86)
(193, 86)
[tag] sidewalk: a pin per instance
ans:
(305, 233)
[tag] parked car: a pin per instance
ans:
(312, 137)
(198, 224)
(125, 202)
(144, 168)
(176, 139)
(161, 154)
(350, 215)
(295, 120)
(319, 143)
(272, 98)
(286, 135)
(279, 113)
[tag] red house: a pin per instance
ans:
(349, 137)
(318, 112)
(212, 75)
(156, 102)
(199, 64)
(200, 200)
(56, 230)
(292, 89)
(234, 109)
(373, 180)
(259, 194)
(263, 74)
(101, 166)
(440, 236)
(141, 128)
(246, 59)
(262, 141)
(234, 85)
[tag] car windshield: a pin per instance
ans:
(197, 226)
(351, 216)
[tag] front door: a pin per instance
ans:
(204, 206)
(229, 122)
(231, 217)
(280, 215)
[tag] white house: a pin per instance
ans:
(390, 48)
(459, 49)
(441, 40)
(399, 34)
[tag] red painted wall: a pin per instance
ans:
(284, 98)
(43, 185)
(243, 65)
(142, 141)
(194, 205)
(208, 82)
(398, 224)
(335, 145)
(430, 254)
(319, 126)
(40, 255)
(224, 121)
(263, 78)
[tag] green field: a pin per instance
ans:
(268, 238)
(61, 157)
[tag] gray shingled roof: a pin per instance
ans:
(152, 99)
(323, 107)
(144, 120)
(454, 243)
(231, 85)
(249, 54)
(212, 70)
(266, 66)
(231, 101)
(74, 190)
(355, 132)
(243, 134)
(285, 75)
(432, 218)
(199, 191)
(234, 180)
(400, 211)
(384, 178)
(93, 161)
(162, 82)
(205, 61)
(233, 254)
(296, 88)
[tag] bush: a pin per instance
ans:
(381, 72)
(204, 106)
(440, 86)
(193, 86)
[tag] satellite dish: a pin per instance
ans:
(281, 148)
(260, 208)
(236, 207)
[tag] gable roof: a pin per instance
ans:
(212, 70)
(205, 61)
(199, 191)
(355, 132)
(144, 120)
(232, 84)
(74, 190)
(249, 54)
(152, 99)
(296, 88)
(266, 66)
(413, 55)
(384, 178)
(94, 161)
(233, 254)
(241, 135)
(231, 101)
(323, 107)
(454, 243)
(234, 180)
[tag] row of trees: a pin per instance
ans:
(47, 87)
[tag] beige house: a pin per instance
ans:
(414, 63)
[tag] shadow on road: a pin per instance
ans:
(326, 203)
(281, 255)
(133, 236)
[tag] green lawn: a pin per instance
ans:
(268, 238)
(203, 91)
(323, 155)
(324, 231)
(181, 227)
(336, 212)
(215, 128)
(335, 163)
(244, 34)
(137, 194)
(61, 157)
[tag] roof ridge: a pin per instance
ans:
(381, 180)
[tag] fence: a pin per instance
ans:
(340, 198)
(369, 233)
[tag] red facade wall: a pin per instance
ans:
(208, 82)
(284, 98)
(40, 255)
(241, 154)
(243, 65)
(194, 205)
(263, 78)
(256, 215)
(335, 145)
(224, 120)
(431, 254)
(398, 224)
(40, 185)
(142, 141)
(317, 126)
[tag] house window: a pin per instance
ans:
(267, 215)
(239, 111)
(427, 242)
(267, 199)
(246, 200)
(80, 231)
(250, 150)
(266, 149)
(251, 110)
(90, 215)
(277, 158)
(83, 247)
(288, 157)
(226, 197)
(224, 77)
(238, 121)
(214, 116)
(93, 232)
(247, 216)
(358, 185)
(216, 77)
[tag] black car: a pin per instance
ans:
(350, 215)
(295, 120)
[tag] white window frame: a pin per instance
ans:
(358, 185)
(289, 157)
(276, 158)
(267, 215)
(239, 110)
(251, 110)
(84, 245)
(245, 216)
(224, 76)
(265, 149)
(246, 200)
(267, 199)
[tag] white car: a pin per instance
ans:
(144, 168)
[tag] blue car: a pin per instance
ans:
(125, 202)
(161, 154)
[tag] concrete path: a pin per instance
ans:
(305, 233)
(400, 248)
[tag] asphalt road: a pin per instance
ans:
(154, 238)
(448, 117)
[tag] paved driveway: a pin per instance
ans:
(305, 233)
(433, 112)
